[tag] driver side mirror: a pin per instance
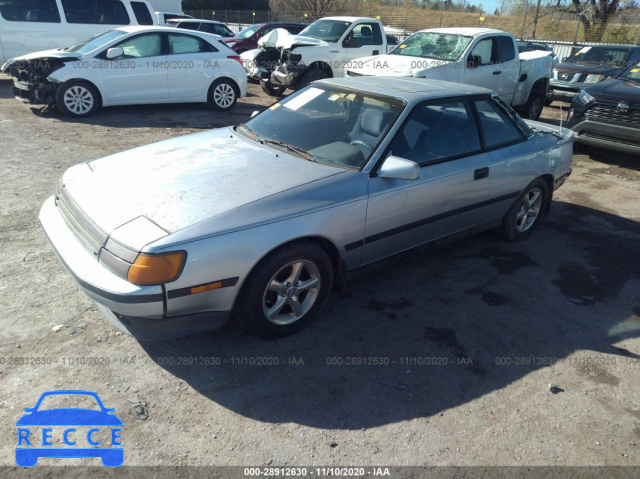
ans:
(114, 52)
(397, 168)
(474, 61)
(255, 112)
(351, 42)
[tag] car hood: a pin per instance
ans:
(180, 182)
(69, 417)
(394, 65)
(281, 38)
(586, 68)
(56, 53)
(616, 90)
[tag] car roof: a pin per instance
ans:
(465, 31)
(186, 20)
(162, 28)
(409, 89)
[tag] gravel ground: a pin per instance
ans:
(468, 337)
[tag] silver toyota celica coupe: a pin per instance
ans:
(260, 221)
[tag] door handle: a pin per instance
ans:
(376, 52)
(497, 72)
(481, 173)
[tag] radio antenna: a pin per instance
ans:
(561, 118)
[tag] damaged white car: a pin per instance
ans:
(129, 66)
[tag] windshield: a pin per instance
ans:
(248, 32)
(327, 30)
(326, 124)
(65, 401)
(632, 73)
(600, 55)
(439, 46)
(96, 41)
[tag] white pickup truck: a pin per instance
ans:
(476, 56)
(321, 50)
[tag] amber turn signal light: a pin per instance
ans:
(150, 269)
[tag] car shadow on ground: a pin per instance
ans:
(175, 115)
(437, 331)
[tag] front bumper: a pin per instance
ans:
(136, 310)
(609, 136)
(146, 329)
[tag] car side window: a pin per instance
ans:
(189, 25)
(97, 12)
(181, 44)
(367, 34)
(497, 128)
(142, 46)
(435, 131)
(482, 53)
(506, 50)
(43, 11)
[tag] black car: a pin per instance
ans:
(608, 114)
(589, 65)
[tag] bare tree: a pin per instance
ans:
(594, 16)
(313, 7)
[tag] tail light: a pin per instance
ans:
(236, 58)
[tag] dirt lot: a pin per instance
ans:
(470, 335)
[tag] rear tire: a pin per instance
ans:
(223, 94)
(77, 98)
(533, 108)
(285, 291)
(524, 215)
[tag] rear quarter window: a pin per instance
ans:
(143, 16)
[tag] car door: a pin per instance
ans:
(364, 39)
(453, 188)
(492, 64)
(139, 74)
(192, 63)
(509, 157)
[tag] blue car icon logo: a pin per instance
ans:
(73, 422)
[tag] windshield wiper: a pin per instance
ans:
(251, 133)
(289, 147)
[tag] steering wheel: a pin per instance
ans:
(361, 143)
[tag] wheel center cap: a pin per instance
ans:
(291, 292)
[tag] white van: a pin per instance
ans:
(28, 26)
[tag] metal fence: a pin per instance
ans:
(623, 27)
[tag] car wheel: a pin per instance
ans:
(313, 75)
(525, 214)
(222, 94)
(271, 90)
(77, 98)
(534, 105)
(286, 290)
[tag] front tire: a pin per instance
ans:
(223, 94)
(285, 291)
(523, 217)
(77, 98)
(313, 75)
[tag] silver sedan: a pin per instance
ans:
(262, 220)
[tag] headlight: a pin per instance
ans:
(150, 269)
(585, 97)
(593, 78)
